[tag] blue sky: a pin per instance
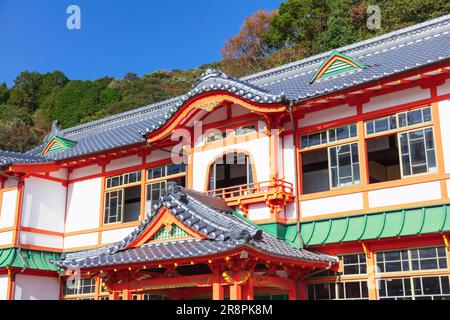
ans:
(117, 36)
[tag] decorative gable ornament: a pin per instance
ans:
(336, 63)
(57, 144)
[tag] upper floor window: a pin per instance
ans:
(332, 135)
(332, 166)
(400, 120)
(354, 264)
(239, 131)
(232, 169)
(122, 198)
(397, 152)
(157, 179)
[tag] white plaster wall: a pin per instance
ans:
(3, 287)
(83, 205)
(218, 115)
(259, 150)
(327, 115)
(258, 212)
(82, 240)
(41, 240)
(114, 236)
(60, 174)
(36, 288)
(444, 115)
(290, 211)
(396, 99)
(444, 89)
(406, 194)
(317, 207)
(8, 209)
(44, 205)
(289, 159)
(237, 110)
(158, 155)
(85, 172)
(6, 238)
(124, 163)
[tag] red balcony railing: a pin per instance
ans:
(254, 189)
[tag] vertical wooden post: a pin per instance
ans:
(249, 290)
(235, 292)
(11, 285)
(303, 291)
(371, 273)
(114, 295)
(126, 294)
(363, 158)
(293, 290)
(218, 291)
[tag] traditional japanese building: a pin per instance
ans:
(327, 178)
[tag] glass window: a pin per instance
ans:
(352, 290)
(332, 135)
(79, 287)
(344, 165)
(163, 175)
(354, 264)
(245, 130)
(417, 152)
(434, 258)
(415, 288)
(113, 206)
(124, 179)
(401, 120)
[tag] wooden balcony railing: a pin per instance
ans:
(275, 193)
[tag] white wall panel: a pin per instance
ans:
(445, 88)
(114, 236)
(327, 115)
(83, 209)
(8, 209)
(258, 212)
(124, 163)
(289, 159)
(3, 287)
(405, 194)
(6, 238)
(36, 288)
(396, 98)
(317, 207)
(85, 172)
(44, 205)
(60, 174)
(444, 115)
(41, 240)
(82, 240)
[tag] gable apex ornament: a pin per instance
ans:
(336, 63)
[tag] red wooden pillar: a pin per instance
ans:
(293, 290)
(114, 295)
(235, 292)
(218, 291)
(249, 290)
(303, 291)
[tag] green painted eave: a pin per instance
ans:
(32, 260)
(371, 226)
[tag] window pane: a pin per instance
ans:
(415, 117)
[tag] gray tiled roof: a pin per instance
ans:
(386, 55)
(209, 216)
(8, 157)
